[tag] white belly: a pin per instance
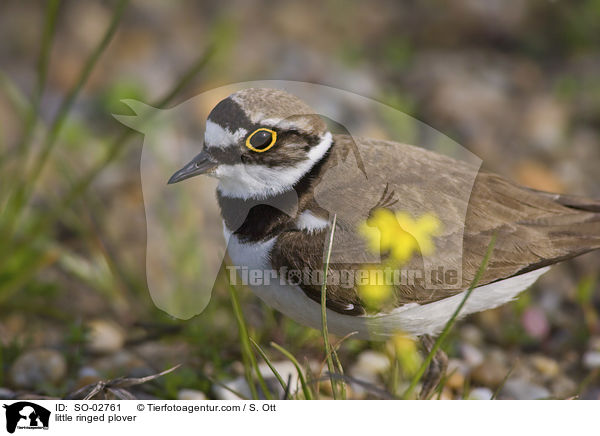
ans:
(412, 318)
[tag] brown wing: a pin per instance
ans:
(298, 252)
(533, 228)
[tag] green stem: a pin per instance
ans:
(290, 356)
(42, 73)
(270, 364)
(324, 331)
(247, 354)
(67, 103)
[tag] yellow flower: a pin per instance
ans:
(373, 290)
(407, 353)
(400, 234)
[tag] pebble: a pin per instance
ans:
(286, 370)
(86, 376)
(238, 385)
(122, 360)
(520, 389)
(104, 337)
(162, 353)
(471, 334)
(591, 359)
(12, 327)
(563, 387)
(456, 380)
(191, 394)
(446, 394)
(456, 371)
(545, 121)
(491, 372)
(37, 367)
(471, 355)
(545, 365)
(594, 343)
(481, 394)
(6, 394)
(369, 365)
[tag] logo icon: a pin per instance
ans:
(26, 415)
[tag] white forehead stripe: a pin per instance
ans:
(300, 122)
(260, 181)
(218, 136)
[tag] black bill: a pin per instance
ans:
(201, 164)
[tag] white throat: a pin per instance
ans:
(247, 181)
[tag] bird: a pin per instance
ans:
(272, 154)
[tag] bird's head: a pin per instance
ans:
(259, 143)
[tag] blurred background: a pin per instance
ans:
(517, 85)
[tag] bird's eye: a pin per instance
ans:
(261, 140)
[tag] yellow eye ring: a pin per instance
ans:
(261, 150)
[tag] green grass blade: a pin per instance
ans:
(247, 354)
(324, 331)
(15, 96)
(67, 103)
(339, 377)
(340, 369)
(42, 73)
(305, 389)
(270, 365)
(501, 386)
(440, 339)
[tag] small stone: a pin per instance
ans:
(564, 387)
(519, 389)
(162, 354)
(238, 385)
(369, 365)
(286, 370)
(86, 376)
(456, 381)
(545, 365)
(38, 367)
(490, 373)
(446, 394)
(594, 343)
(457, 370)
(545, 121)
(191, 394)
(104, 336)
(237, 368)
(481, 394)
(122, 360)
(591, 359)
(6, 394)
(590, 393)
(471, 334)
(471, 355)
